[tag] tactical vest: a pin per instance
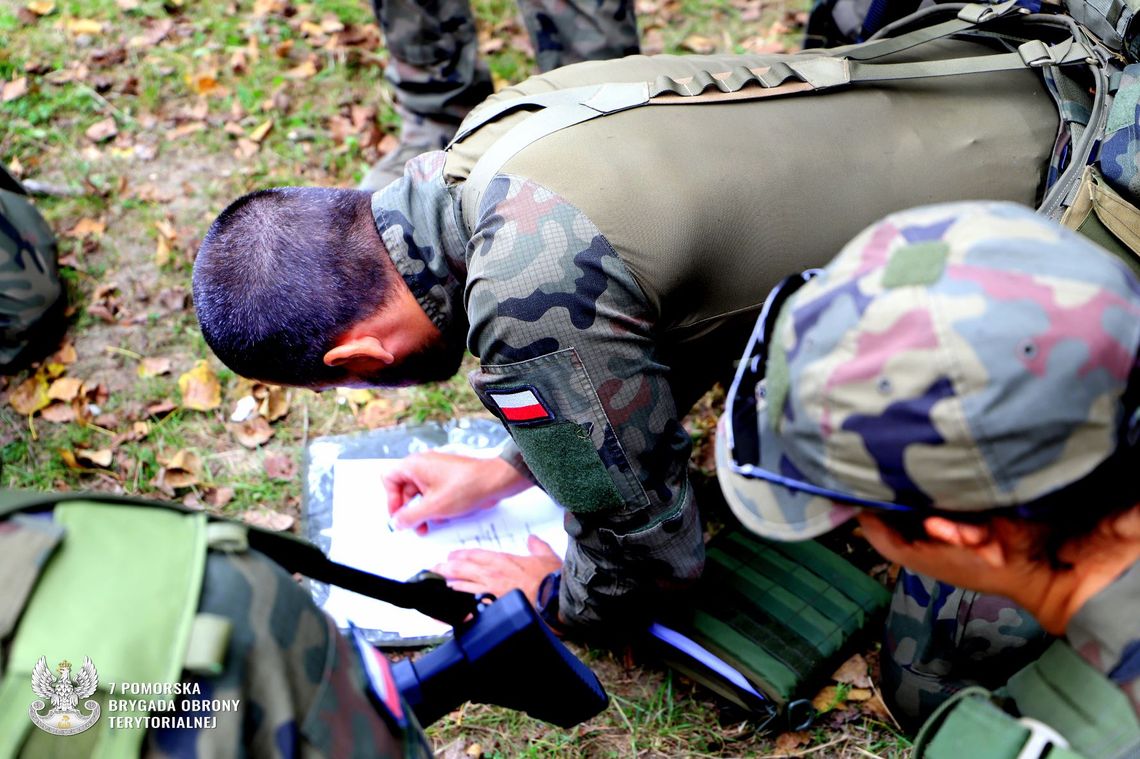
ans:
(958, 108)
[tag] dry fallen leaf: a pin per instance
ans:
(279, 466)
(859, 694)
(154, 366)
(79, 26)
(876, 708)
(853, 672)
(58, 413)
(827, 699)
(200, 388)
(787, 742)
(258, 134)
(246, 149)
(31, 395)
(218, 497)
(380, 412)
(205, 83)
(87, 227)
(275, 404)
(102, 130)
(269, 520)
(182, 470)
(65, 355)
(306, 70)
(100, 458)
(252, 432)
(162, 252)
(65, 389)
(41, 7)
(696, 43)
(14, 89)
(160, 409)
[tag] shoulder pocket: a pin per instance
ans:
(552, 411)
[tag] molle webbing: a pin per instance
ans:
(1059, 693)
(779, 613)
(563, 108)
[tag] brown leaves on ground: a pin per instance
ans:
(855, 671)
(102, 130)
(200, 388)
(279, 466)
(182, 470)
(16, 88)
(87, 227)
(269, 520)
(31, 395)
(253, 432)
(154, 366)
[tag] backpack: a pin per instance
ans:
(32, 298)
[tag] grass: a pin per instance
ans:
(178, 158)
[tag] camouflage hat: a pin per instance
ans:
(963, 356)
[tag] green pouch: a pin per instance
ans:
(779, 615)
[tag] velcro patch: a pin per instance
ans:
(521, 406)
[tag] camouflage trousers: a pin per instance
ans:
(435, 66)
(941, 639)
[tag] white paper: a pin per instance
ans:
(361, 538)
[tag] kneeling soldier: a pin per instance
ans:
(963, 379)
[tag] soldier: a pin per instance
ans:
(32, 301)
(600, 236)
(438, 77)
(964, 380)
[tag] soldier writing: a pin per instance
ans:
(601, 273)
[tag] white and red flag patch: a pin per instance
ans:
(521, 406)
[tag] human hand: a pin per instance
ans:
(448, 485)
(475, 570)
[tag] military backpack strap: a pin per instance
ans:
(792, 75)
(1068, 710)
(427, 593)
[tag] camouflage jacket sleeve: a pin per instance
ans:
(1106, 632)
(569, 363)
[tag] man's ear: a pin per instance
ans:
(363, 348)
(979, 538)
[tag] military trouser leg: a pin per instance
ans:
(572, 31)
(435, 66)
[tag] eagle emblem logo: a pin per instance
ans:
(63, 692)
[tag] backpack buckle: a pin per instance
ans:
(1035, 53)
(1041, 739)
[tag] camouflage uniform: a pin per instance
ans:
(299, 683)
(887, 379)
(614, 305)
(435, 66)
(31, 294)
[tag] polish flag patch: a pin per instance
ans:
(521, 406)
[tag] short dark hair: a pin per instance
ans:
(282, 273)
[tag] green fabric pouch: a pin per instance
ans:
(1068, 711)
(134, 623)
(782, 615)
